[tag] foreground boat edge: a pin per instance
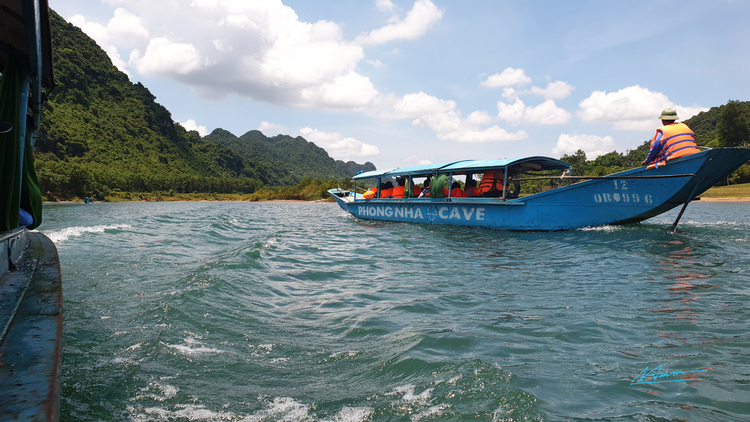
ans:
(30, 328)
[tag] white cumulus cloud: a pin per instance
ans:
(164, 57)
(631, 108)
(508, 77)
(557, 90)
(338, 146)
(351, 91)
(592, 145)
(547, 113)
(421, 18)
(256, 49)
(411, 106)
(127, 27)
(191, 124)
(442, 117)
(384, 5)
(272, 129)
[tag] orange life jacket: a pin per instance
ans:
(371, 193)
(458, 193)
(473, 191)
(398, 192)
(386, 193)
(491, 182)
(677, 141)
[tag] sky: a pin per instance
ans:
(401, 83)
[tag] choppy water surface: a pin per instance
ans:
(298, 312)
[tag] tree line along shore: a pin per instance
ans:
(731, 193)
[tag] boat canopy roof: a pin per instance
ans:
(470, 166)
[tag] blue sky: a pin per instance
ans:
(402, 83)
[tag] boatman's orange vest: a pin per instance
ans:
(677, 141)
(491, 182)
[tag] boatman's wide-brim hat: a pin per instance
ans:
(668, 114)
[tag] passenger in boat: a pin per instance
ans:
(398, 191)
(456, 191)
(492, 183)
(672, 140)
(24, 218)
(471, 188)
(386, 190)
(425, 188)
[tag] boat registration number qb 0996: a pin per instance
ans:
(621, 194)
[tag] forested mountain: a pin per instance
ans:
(100, 133)
(293, 155)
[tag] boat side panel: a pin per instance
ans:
(572, 207)
(31, 346)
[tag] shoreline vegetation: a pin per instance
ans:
(731, 193)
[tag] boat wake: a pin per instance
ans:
(59, 236)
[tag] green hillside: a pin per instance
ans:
(101, 133)
(294, 156)
(723, 126)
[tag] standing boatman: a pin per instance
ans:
(672, 140)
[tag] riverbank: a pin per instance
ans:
(189, 197)
(731, 193)
(728, 199)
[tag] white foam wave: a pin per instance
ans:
(156, 391)
(193, 346)
(59, 236)
(348, 353)
(261, 349)
(354, 414)
(409, 396)
(600, 229)
(432, 411)
(281, 409)
(191, 412)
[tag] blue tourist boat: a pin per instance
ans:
(30, 284)
(621, 198)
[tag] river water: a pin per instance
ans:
(210, 311)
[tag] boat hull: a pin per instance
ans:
(617, 199)
(30, 329)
